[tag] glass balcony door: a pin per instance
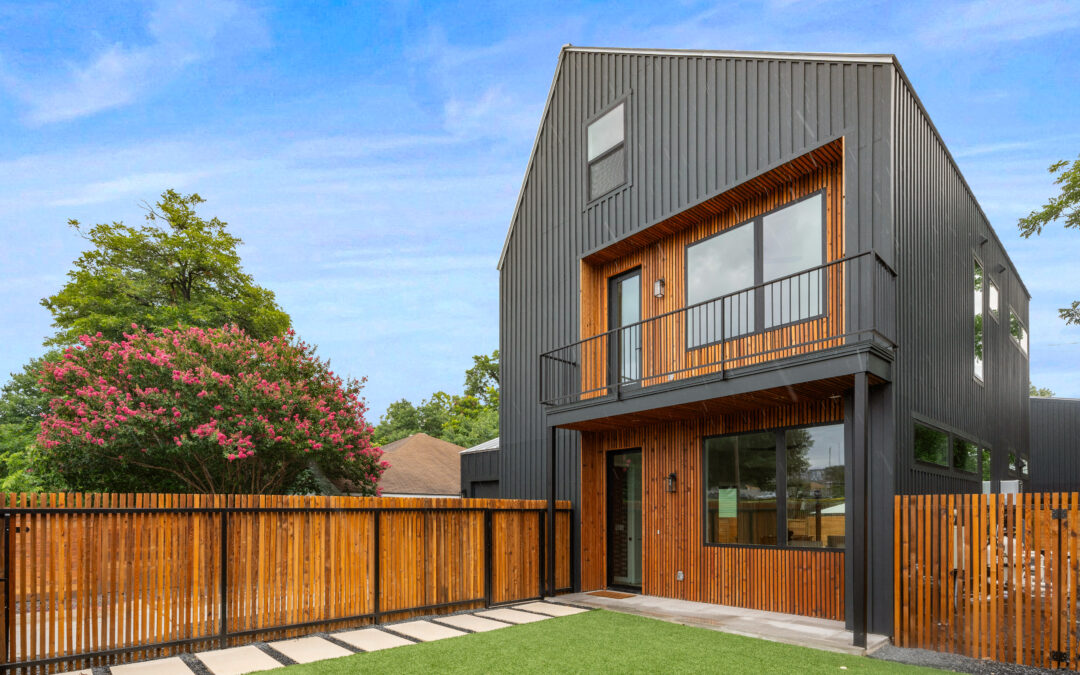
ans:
(624, 540)
(624, 315)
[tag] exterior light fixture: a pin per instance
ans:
(670, 482)
(658, 288)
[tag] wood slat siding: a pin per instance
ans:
(989, 576)
(90, 582)
(663, 256)
(794, 581)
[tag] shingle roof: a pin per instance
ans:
(422, 465)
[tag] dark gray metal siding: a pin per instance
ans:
(478, 467)
(940, 229)
(698, 125)
(1055, 444)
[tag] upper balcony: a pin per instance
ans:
(755, 280)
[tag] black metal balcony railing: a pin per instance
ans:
(817, 308)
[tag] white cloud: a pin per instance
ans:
(181, 32)
(978, 23)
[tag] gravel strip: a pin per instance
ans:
(952, 662)
(285, 660)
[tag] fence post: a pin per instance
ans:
(376, 585)
(223, 636)
(487, 557)
(541, 535)
(7, 591)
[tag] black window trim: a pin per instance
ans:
(781, 495)
(623, 100)
(759, 265)
(951, 433)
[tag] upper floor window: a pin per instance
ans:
(1018, 331)
(993, 298)
(762, 274)
(607, 152)
(978, 321)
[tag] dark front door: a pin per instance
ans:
(624, 313)
(624, 490)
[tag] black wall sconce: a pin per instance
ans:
(670, 487)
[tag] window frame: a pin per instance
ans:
(1027, 334)
(952, 435)
(994, 313)
(624, 144)
(781, 494)
(758, 288)
(983, 302)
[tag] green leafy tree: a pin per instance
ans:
(22, 404)
(1041, 392)
(177, 268)
(1064, 206)
(482, 380)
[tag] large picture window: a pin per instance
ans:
(776, 488)
(758, 275)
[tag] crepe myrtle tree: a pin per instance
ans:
(202, 410)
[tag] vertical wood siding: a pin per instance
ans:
(783, 580)
(86, 582)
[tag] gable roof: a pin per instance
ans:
(568, 48)
(422, 465)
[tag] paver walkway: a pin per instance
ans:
(264, 656)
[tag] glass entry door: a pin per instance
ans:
(624, 544)
(624, 313)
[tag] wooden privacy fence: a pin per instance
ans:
(107, 578)
(990, 576)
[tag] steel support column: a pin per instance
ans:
(860, 455)
(552, 492)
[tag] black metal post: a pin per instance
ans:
(487, 557)
(376, 581)
(860, 453)
(552, 492)
(541, 548)
(8, 628)
(223, 637)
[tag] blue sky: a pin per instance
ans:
(369, 154)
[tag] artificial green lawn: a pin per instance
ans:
(600, 641)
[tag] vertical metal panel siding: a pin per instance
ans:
(1055, 444)
(939, 229)
(479, 466)
(698, 125)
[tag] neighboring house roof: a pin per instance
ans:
(421, 465)
(486, 446)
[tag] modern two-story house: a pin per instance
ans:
(747, 298)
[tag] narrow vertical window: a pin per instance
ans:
(1018, 332)
(993, 298)
(978, 321)
(606, 153)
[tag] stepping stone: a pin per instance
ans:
(424, 631)
(78, 672)
(308, 649)
(511, 616)
(372, 639)
(550, 608)
(469, 622)
(237, 660)
(170, 666)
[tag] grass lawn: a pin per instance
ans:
(600, 641)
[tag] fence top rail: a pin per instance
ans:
(89, 503)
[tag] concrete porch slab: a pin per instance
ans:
(788, 628)
(309, 649)
(170, 666)
(237, 660)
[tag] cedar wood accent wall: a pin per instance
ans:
(661, 254)
(795, 581)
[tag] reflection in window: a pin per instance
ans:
(978, 320)
(1012, 464)
(740, 489)
(1018, 332)
(986, 474)
(965, 456)
(718, 266)
(815, 486)
(931, 445)
(791, 242)
(1025, 468)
